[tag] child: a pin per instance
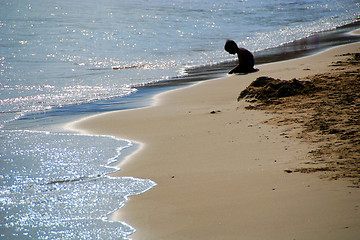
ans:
(246, 59)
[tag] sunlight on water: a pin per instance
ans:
(56, 186)
(70, 52)
(17, 100)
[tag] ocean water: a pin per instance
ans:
(52, 188)
(80, 55)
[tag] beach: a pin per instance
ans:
(182, 148)
(220, 169)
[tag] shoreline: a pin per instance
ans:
(236, 186)
(304, 47)
(54, 118)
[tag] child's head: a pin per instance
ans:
(231, 47)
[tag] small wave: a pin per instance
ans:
(127, 67)
(60, 181)
(117, 67)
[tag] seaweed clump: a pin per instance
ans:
(267, 88)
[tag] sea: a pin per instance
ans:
(64, 60)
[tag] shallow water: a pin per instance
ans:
(55, 186)
(61, 59)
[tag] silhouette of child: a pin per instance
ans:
(246, 59)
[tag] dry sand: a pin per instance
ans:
(220, 169)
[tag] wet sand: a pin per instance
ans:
(220, 167)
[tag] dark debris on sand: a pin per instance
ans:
(268, 89)
(327, 107)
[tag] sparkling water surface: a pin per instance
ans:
(59, 53)
(56, 54)
(55, 186)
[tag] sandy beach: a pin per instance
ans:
(220, 167)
